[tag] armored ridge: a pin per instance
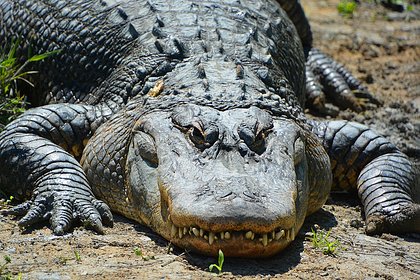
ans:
(187, 116)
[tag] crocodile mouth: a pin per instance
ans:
(194, 233)
(211, 237)
(241, 243)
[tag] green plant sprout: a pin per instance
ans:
(347, 8)
(3, 267)
(321, 241)
(220, 261)
(4, 202)
(77, 256)
(139, 253)
(5, 274)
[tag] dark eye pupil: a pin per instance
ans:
(197, 134)
(197, 138)
(255, 142)
(201, 139)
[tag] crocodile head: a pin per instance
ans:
(206, 179)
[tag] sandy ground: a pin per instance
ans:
(382, 49)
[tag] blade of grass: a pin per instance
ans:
(39, 57)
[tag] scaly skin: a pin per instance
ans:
(187, 117)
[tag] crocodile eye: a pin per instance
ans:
(202, 139)
(254, 141)
(196, 135)
(259, 144)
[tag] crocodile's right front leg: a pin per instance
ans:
(386, 180)
(36, 162)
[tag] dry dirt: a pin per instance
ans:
(382, 49)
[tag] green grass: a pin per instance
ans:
(5, 202)
(347, 8)
(12, 102)
(5, 274)
(220, 261)
(139, 253)
(77, 256)
(321, 240)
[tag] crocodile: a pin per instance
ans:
(187, 116)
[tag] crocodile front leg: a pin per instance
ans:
(36, 162)
(328, 78)
(386, 180)
(324, 76)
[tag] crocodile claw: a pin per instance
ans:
(63, 212)
(407, 220)
(327, 79)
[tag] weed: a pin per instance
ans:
(4, 273)
(5, 202)
(220, 261)
(12, 103)
(139, 253)
(3, 267)
(347, 8)
(62, 260)
(77, 256)
(320, 240)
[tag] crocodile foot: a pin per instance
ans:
(327, 79)
(407, 220)
(63, 210)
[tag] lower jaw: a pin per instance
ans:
(235, 247)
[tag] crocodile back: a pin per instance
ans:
(241, 49)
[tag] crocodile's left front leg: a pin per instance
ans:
(38, 154)
(386, 180)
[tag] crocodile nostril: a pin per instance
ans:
(227, 195)
(250, 195)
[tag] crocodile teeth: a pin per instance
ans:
(211, 238)
(279, 234)
(265, 239)
(174, 230)
(248, 235)
(196, 232)
(290, 234)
